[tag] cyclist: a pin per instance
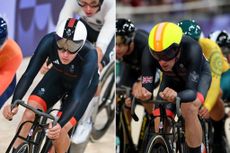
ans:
(130, 46)
(73, 74)
(213, 105)
(9, 52)
(98, 16)
(222, 38)
(183, 65)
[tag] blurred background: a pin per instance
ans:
(210, 14)
(29, 20)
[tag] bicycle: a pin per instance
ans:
(104, 107)
(124, 141)
(34, 140)
(106, 103)
(165, 141)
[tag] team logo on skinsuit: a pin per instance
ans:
(194, 76)
(216, 63)
(147, 79)
(56, 61)
(71, 69)
(41, 91)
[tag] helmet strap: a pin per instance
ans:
(130, 48)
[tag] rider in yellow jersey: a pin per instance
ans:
(222, 38)
(213, 104)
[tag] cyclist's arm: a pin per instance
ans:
(196, 60)
(70, 7)
(10, 66)
(36, 62)
(216, 69)
(108, 30)
(148, 68)
(88, 70)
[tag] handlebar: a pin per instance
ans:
(123, 90)
(36, 111)
(155, 101)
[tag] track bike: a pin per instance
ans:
(165, 141)
(124, 140)
(34, 142)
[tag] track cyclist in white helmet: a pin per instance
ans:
(74, 74)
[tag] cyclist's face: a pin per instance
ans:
(121, 48)
(90, 7)
(65, 56)
(167, 65)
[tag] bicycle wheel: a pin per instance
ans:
(23, 148)
(121, 136)
(158, 144)
(106, 108)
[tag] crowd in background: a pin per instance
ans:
(137, 3)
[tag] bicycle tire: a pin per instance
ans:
(122, 136)
(158, 144)
(109, 94)
(22, 148)
(181, 146)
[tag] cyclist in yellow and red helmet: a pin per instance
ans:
(184, 68)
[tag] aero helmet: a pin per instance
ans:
(164, 40)
(71, 35)
(190, 28)
(126, 29)
(220, 37)
(3, 31)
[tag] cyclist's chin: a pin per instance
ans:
(65, 62)
(167, 69)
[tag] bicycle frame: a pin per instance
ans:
(36, 126)
(123, 125)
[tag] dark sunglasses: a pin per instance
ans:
(168, 54)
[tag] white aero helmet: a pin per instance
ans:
(221, 37)
(71, 35)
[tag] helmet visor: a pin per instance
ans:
(166, 55)
(69, 45)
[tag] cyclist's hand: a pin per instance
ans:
(8, 113)
(144, 94)
(204, 113)
(168, 94)
(137, 87)
(100, 67)
(128, 102)
(45, 68)
(53, 132)
(100, 56)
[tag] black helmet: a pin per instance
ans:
(3, 31)
(126, 29)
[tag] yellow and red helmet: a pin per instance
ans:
(164, 40)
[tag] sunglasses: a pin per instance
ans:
(166, 55)
(71, 47)
(84, 4)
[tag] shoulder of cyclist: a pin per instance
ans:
(68, 10)
(10, 53)
(40, 55)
